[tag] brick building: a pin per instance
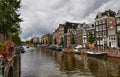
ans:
(118, 25)
(105, 30)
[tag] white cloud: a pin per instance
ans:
(43, 16)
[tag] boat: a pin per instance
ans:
(52, 47)
(27, 47)
(59, 48)
(97, 54)
(76, 49)
(67, 50)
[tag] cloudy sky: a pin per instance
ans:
(43, 16)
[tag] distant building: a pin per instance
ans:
(46, 39)
(81, 36)
(56, 37)
(65, 31)
(61, 30)
(36, 40)
(105, 30)
(61, 33)
(69, 32)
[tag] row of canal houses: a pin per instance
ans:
(104, 30)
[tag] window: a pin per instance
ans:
(103, 21)
(92, 32)
(118, 28)
(97, 42)
(104, 33)
(97, 35)
(118, 20)
(104, 27)
(100, 28)
(96, 28)
(100, 21)
(96, 22)
(100, 34)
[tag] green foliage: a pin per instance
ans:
(50, 41)
(28, 41)
(15, 38)
(91, 38)
(46, 42)
(73, 40)
(43, 42)
(55, 41)
(110, 12)
(31, 41)
(61, 41)
(9, 16)
(118, 36)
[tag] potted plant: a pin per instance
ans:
(91, 40)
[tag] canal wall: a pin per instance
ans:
(111, 52)
(13, 66)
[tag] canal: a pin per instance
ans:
(40, 62)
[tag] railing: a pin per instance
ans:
(1, 67)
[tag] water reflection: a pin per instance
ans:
(39, 62)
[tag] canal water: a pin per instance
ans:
(40, 62)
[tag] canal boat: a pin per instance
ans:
(58, 48)
(67, 50)
(76, 50)
(52, 47)
(97, 54)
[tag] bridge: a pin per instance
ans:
(11, 68)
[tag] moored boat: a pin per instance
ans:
(52, 47)
(97, 54)
(59, 48)
(67, 50)
(76, 51)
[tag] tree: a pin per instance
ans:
(9, 16)
(15, 38)
(31, 40)
(61, 41)
(110, 12)
(43, 42)
(91, 38)
(46, 42)
(118, 37)
(73, 40)
(50, 41)
(55, 41)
